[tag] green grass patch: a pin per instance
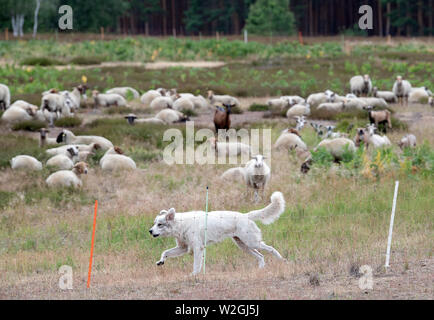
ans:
(5, 198)
(85, 60)
(41, 61)
(258, 107)
(29, 125)
(68, 122)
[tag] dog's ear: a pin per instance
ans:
(170, 216)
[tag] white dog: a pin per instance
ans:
(189, 230)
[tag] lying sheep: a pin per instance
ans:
(171, 116)
(292, 100)
(315, 99)
(161, 103)
(289, 140)
(183, 103)
(374, 102)
(380, 117)
(68, 137)
(388, 96)
(24, 105)
(279, 104)
(361, 86)
(298, 110)
(355, 104)
(418, 95)
(124, 91)
(408, 141)
(5, 97)
(114, 160)
(64, 162)
(68, 178)
(331, 107)
(108, 100)
(62, 149)
(17, 114)
(149, 96)
(200, 103)
(132, 119)
(24, 162)
(222, 99)
(230, 148)
(44, 140)
(401, 88)
(256, 174)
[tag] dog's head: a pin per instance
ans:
(163, 223)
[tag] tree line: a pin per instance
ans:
(206, 17)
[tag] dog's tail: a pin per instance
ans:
(271, 212)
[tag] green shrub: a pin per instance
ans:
(86, 60)
(29, 125)
(118, 110)
(41, 61)
(68, 122)
(189, 112)
(259, 107)
(236, 110)
(5, 198)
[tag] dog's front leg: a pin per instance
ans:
(198, 256)
(174, 252)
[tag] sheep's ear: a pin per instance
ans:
(162, 212)
(170, 216)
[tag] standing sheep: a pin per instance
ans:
(361, 86)
(44, 140)
(380, 117)
(408, 141)
(401, 88)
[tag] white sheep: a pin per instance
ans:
(408, 141)
(5, 97)
(24, 162)
(279, 103)
(289, 140)
(388, 96)
(171, 116)
(332, 135)
(223, 99)
(355, 104)
(230, 148)
(24, 105)
(62, 149)
(374, 102)
(53, 102)
(418, 94)
(68, 178)
(315, 99)
(44, 140)
(17, 114)
(371, 138)
(200, 103)
(64, 162)
(73, 98)
(298, 110)
(68, 137)
(161, 103)
(114, 160)
(149, 96)
(108, 100)
(401, 88)
(183, 103)
(123, 91)
(361, 85)
(292, 100)
(331, 107)
(132, 119)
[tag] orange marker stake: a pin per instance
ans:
(91, 248)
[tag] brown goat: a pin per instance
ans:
(380, 117)
(222, 118)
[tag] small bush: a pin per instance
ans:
(189, 112)
(68, 122)
(29, 125)
(41, 61)
(236, 110)
(86, 60)
(118, 110)
(322, 157)
(259, 107)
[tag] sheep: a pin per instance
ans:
(408, 141)
(301, 121)
(148, 96)
(292, 130)
(24, 105)
(351, 96)
(292, 100)
(256, 174)
(123, 91)
(337, 147)
(388, 96)
(355, 103)
(68, 178)
(331, 107)
(401, 88)
(5, 97)
(52, 90)
(64, 162)
(108, 100)
(301, 153)
(375, 102)
(431, 101)
(17, 114)
(279, 104)
(88, 148)
(62, 149)
(419, 94)
(24, 162)
(331, 134)
(289, 140)
(361, 86)
(114, 159)
(230, 148)
(74, 96)
(298, 109)
(222, 117)
(223, 99)
(132, 118)
(200, 103)
(161, 103)
(315, 99)
(380, 117)
(53, 102)
(370, 138)
(44, 140)
(183, 103)
(170, 116)
(319, 128)
(68, 137)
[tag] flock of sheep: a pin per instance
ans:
(70, 158)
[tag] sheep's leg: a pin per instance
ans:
(256, 196)
(171, 253)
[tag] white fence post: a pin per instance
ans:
(245, 36)
(392, 218)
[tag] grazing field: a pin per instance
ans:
(336, 217)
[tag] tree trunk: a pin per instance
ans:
(35, 24)
(310, 18)
(380, 18)
(173, 18)
(420, 16)
(388, 19)
(164, 17)
(430, 21)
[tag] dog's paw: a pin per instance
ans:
(160, 263)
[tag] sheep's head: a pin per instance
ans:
(371, 129)
(210, 94)
(259, 161)
(82, 88)
(130, 118)
(360, 136)
(44, 132)
(61, 137)
(95, 93)
(118, 150)
(366, 78)
(368, 108)
(330, 96)
(80, 168)
(73, 151)
(163, 223)
(305, 167)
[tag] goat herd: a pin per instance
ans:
(170, 107)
